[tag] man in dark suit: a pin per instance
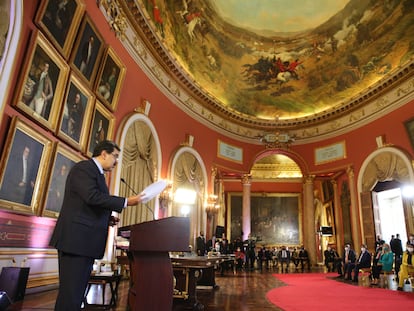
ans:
(201, 244)
(82, 227)
(363, 261)
(348, 259)
(396, 248)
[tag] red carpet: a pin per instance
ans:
(315, 291)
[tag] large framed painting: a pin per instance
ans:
(275, 218)
(102, 126)
(87, 51)
(62, 161)
(59, 21)
(23, 168)
(42, 83)
(110, 78)
(76, 113)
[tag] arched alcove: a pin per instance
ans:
(139, 165)
(384, 164)
(187, 170)
(10, 31)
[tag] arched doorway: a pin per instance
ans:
(387, 164)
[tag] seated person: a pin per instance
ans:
(348, 260)
(239, 258)
(407, 265)
(294, 256)
(263, 257)
(304, 258)
(284, 258)
(364, 261)
(329, 259)
(337, 261)
(384, 263)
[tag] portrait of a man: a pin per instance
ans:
(61, 169)
(40, 84)
(58, 17)
(73, 114)
(21, 170)
(88, 51)
(99, 130)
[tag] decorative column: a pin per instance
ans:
(339, 231)
(354, 210)
(246, 217)
(309, 230)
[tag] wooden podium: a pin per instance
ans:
(151, 286)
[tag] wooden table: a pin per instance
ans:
(192, 271)
(102, 279)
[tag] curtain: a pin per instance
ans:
(139, 169)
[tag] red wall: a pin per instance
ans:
(172, 124)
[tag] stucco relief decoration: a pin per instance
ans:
(385, 166)
(4, 27)
(116, 17)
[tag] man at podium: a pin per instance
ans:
(82, 227)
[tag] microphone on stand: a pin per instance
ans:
(134, 192)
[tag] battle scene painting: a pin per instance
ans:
(335, 51)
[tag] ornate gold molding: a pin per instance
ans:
(146, 47)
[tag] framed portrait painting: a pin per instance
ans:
(59, 21)
(76, 113)
(42, 83)
(110, 78)
(87, 51)
(102, 126)
(23, 172)
(62, 161)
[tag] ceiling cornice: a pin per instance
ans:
(145, 46)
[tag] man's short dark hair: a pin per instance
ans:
(105, 145)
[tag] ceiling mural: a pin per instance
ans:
(272, 61)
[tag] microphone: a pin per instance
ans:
(134, 192)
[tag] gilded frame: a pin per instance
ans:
(86, 61)
(101, 126)
(282, 211)
(44, 67)
(60, 22)
(61, 163)
(110, 79)
(16, 192)
(72, 121)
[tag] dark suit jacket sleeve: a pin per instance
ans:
(82, 226)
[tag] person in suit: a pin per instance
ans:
(363, 261)
(82, 227)
(250, 250)
(20, 175)
(284, 258)
(87, 56)
(201, 244)
(348, 259)
(43, 93)
(304, 258)
(329, 256)
(397, 249)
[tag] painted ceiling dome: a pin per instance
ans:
(260, 69)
